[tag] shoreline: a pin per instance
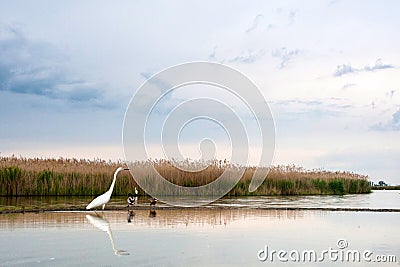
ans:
(118, 208)
(389, 187)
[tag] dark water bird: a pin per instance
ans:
(153, 201)
(132, 199)
(103, 199)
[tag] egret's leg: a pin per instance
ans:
(104, 206)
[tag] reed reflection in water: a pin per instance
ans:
(161, 218)
(187, 237)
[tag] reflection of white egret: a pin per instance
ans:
(103, 199)
(102, 224)
(152, 214)
(131, 214)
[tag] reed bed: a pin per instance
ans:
(80, 177)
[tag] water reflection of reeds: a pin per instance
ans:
(161, 218)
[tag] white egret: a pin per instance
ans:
(103, 199)
(136, 192)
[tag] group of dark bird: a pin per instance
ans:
(132, 199)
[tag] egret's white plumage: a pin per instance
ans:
(103, 199)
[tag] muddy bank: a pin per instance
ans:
(120, 208)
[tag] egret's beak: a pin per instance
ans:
(126, 169)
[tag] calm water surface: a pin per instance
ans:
(379, 199)
(201, 237)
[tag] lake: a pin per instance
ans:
(229, 232)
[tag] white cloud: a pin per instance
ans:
(256, 23)
(392, 125)
(347, 68)
(285, 55)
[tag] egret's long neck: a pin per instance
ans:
(113, 182)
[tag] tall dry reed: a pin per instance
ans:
(27, 177)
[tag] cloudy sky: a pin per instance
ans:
(328, 69)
